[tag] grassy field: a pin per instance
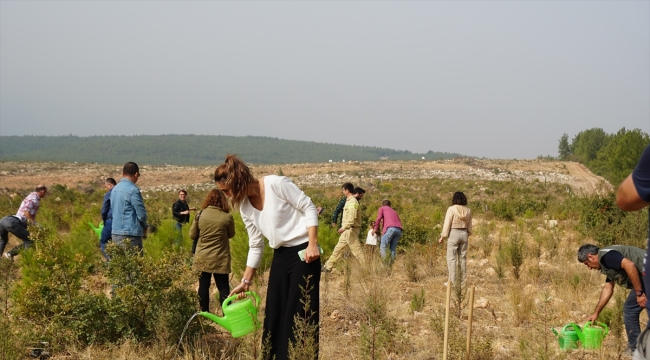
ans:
(524, 272)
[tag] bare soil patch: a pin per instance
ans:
(23, 175)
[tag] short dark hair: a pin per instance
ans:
(182, 191)
(385, 203)
(349, 187)
(40, 188)
(130, 168)
(587, 249)
(358, 190)
(459, 198)
(110, 181)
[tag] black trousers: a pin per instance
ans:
(204, 288)
(284, 295)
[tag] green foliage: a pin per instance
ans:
(515, 250)
(564, 149)
(191, 150)
(612, 156)
(153, 297)
(586, 144)
(417, 302)
(12, 339)
(305, 329)
(603, 221)
(618, 158)
(521, 205)
(378, 328)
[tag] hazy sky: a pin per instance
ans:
(486, 78)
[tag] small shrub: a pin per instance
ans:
(378, 329)
(515, 251)
(417, 302)
(305, 329)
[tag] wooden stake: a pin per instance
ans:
(444, 352)
(469, 323)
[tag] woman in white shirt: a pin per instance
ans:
(274, 208)
(457, 228)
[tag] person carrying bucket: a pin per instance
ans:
(622, 265)
(634, 194)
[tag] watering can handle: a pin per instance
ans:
(603, 325)
(231, 298)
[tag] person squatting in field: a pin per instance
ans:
(350, 228)
(622, 265)
(634, 194)
(274, 208)
(17, 224)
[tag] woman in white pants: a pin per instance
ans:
(457, 228)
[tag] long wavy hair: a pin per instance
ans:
(234, 173)
(216, 198)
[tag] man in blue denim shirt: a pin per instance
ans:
(129, 214)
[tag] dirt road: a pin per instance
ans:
(23, 176)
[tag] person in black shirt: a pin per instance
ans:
(181, 211)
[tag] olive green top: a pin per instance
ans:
(620, 277)
(213, 228)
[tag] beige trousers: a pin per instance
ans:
(457, 252)
(349, 238)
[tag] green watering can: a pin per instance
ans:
(592, 336)
(240, 318)
(568, 336)
(98, 230)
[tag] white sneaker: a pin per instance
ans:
(445, 284)
(7, 255)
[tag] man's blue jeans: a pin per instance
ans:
(11, 224)
(390, 239)
(631, 312)
(135, 241)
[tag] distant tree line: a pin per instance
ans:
(612, 156)
(191, 150)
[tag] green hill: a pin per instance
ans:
(190, 150)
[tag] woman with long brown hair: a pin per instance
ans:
(213, 226)
(274, 208)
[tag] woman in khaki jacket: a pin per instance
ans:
(213, 227)
(458, 228)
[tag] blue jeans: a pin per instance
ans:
(179, 234)
(135, 241)
(11, 224)
(390, 238)
(631, 312)
(106, 236)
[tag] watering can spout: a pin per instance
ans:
(219, 320)
(98, 230)
(555, 332)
